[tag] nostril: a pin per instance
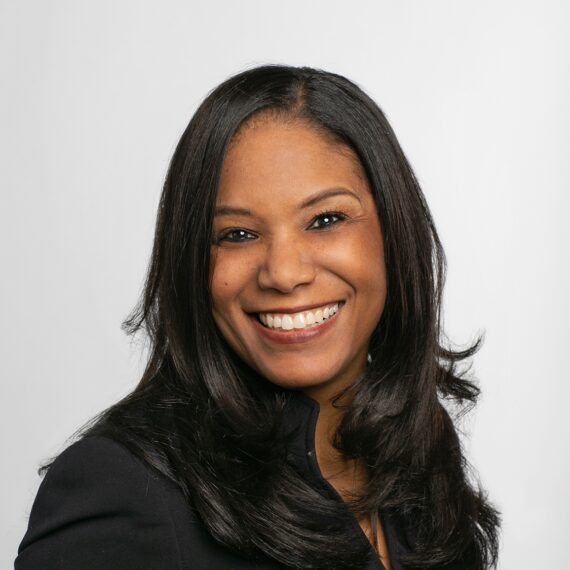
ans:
(284, 273)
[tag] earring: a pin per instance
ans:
(369, 358)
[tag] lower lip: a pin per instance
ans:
(298, 336)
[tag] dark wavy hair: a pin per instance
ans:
(211, 424)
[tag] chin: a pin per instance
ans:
(299, 378)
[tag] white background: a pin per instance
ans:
(94, 96)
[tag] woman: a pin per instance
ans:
(290, 413)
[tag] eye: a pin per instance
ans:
(327, 220)
(236, 235)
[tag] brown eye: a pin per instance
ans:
(327, 220)
(235, 236)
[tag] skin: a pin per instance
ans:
(282, 255)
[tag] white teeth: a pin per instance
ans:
(298, 320)
(287, 323)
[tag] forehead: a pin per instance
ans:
(286, 159)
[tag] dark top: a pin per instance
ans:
(99, 506)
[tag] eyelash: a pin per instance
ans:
(326, 214)
(224, 236)
(329, 214)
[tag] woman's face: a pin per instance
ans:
(298, 278)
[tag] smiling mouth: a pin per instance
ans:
(301, 320)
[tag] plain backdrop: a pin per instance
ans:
(94, 96)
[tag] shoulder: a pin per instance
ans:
(100, 506)
(100, 465)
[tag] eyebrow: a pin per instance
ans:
(311, 201)
(329, 193)
(229, 211)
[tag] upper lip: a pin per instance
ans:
(285, 310)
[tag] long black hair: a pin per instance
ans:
(209, 423)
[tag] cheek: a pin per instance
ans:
(230, 276)
(222, 285)
(360, 255)
(374, 275)
(217, 284)
(359, 259)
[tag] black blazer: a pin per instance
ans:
(100, 507)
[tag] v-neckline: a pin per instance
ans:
(375, 562)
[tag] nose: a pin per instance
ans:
(286, 265)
